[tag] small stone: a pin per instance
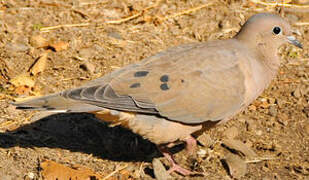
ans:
(271, 100)
(273, 111)
(38, 41)
(296, 93)
(259, 132)
(231, 132)
(205, 139)
(87, 53)
(251, 125)
(115, 35)
(280, 103)
(87, 66)
(31, 175)
(283, 119)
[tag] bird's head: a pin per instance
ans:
(267, 30)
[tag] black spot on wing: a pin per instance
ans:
(164, 87)
(135, 85)
(141, 73)
(164, 78)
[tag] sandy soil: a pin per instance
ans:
(275, 126)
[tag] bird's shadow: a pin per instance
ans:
(81, 132)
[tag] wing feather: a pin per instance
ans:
(192, 83)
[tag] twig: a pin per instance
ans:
(64, 25)
(279, 4)
(114, 172)
(302, 23)
(188, 11)
(260, 159)
(119, 21)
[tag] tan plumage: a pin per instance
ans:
(173, 94)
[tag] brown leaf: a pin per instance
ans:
(23, 79)
(23, 90)
(40, 64)
(159, 170)
(237, 167)
(59, 46)
(239, 147)
(52, 170)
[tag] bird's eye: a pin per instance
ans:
(277, 30)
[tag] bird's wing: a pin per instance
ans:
(190, 84)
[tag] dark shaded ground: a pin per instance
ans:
(275, 126)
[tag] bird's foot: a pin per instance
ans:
(180, 170)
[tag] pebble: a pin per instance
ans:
(205, 139)
(259, 132)
(283, 119)
(231, 132)
(251, 125)
(201, 152)
(87, 66)
(273, 111)
(296, 93)
(38, 41)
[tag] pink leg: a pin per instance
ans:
(175, 167)
(191, 145)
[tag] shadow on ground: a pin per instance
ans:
(81, 132)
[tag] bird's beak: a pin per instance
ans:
(294, 41)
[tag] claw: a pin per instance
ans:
(191, 148)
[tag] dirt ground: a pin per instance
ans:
(97, 37)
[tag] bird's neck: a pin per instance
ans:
(268, 56)
(265, 51)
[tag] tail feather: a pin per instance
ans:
(56, 103)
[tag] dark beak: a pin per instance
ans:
(294, 41)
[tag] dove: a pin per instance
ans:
(177, 94)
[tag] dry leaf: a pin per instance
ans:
(52, 170)
(23, 80)
(23, 90)
(59, 46)
(159, 170)
(237, 167)
(240, 147)
(40, 64)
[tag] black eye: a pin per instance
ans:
(277, 30)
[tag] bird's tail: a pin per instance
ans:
(55, 103)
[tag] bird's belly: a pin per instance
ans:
(157, 130)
